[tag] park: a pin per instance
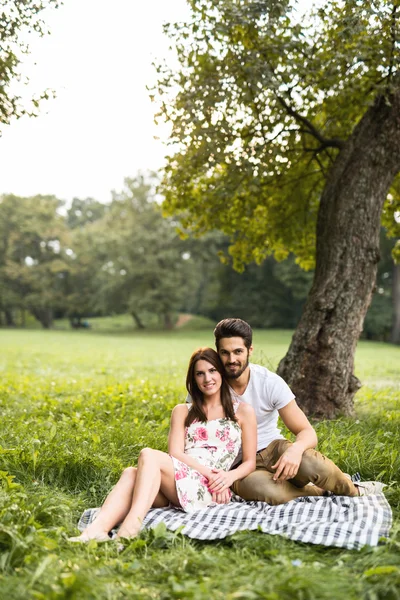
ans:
(273, 196)
(77, 407)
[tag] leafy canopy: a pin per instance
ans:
(261, 104)
(17, 19)
(33, 264)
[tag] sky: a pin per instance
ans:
(100, 127)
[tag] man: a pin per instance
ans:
(284, 470)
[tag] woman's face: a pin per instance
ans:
(207, 377)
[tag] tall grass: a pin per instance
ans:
(78, 406)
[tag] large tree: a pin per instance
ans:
(286, 136)
(33, 264)
(144, 266)
(85, 258)
(18, 19)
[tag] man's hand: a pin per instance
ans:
(220, 481)
(288, 464)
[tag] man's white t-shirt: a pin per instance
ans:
(267, 393)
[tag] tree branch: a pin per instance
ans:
(310, 129)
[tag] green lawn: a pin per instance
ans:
(76, 408)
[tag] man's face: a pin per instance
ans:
(234, 355)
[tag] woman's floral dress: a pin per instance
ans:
(215, 444)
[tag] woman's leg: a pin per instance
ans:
(119, 503)
(116, 506)
(154, 486)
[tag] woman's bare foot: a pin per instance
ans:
(86, 536)
(125, 533)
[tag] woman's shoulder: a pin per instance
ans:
(181, 409)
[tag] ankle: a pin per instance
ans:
(127, 533)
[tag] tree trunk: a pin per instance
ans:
(137, 320)
(168, 322)
(395, 337)
(320, 361)
(9, 317)
(44, 316)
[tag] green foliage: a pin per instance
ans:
(83, 212)
(78, 406)
(379, 319)
(143, 261)
(123, 257)
(391, 218)
(262, 101)
(269, 295)
(16, 20)
(32, 263)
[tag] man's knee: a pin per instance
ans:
(272, 453)
(314, 466)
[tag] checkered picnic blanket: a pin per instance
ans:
(331, 521)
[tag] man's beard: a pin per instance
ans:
(238, 373)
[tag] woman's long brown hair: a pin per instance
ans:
(196, 413)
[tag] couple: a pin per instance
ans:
(225, 437)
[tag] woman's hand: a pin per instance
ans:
(220, 481)
(222, 498)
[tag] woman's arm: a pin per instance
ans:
(222, 480)
(176, 440)
(248, 423)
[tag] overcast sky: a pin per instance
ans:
(100, 127)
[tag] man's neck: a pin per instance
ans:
(240, 384)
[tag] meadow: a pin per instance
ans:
(77, 407)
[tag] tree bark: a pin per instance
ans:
(168, 322)
(44, 316)
(9, 317)
(137, 320)
(395, 337)
(320, 361)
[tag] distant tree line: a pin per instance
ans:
(125, 257)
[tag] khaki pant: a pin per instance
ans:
(314, 468)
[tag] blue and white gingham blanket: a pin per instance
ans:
(331, 521)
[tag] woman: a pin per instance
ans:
(204, 440)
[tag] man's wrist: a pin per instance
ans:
(299, 445)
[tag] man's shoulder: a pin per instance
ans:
(270, 386)
(262, 372)
(263, 376)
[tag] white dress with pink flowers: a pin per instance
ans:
(215, 444)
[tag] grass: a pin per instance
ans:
(124, 323)
(77, 406)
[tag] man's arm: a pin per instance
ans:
(297, 422)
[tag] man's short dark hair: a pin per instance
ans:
(228, 328)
